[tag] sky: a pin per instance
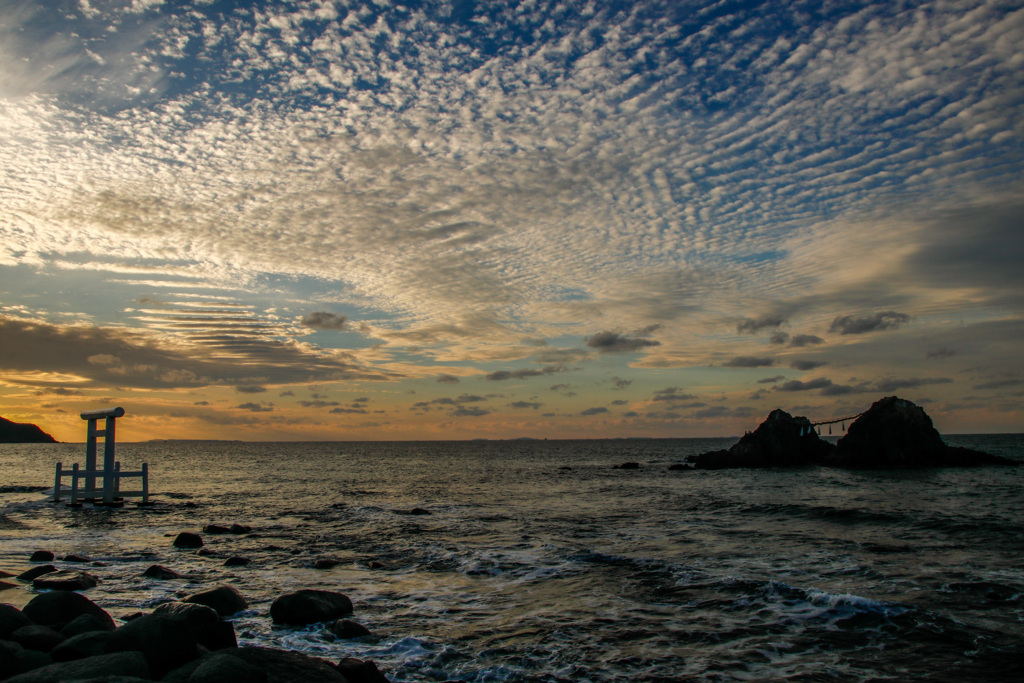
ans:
(327, 220)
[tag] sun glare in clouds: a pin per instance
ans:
(332, 220)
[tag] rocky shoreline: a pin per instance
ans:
(61, 635)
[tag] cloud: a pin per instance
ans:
(886, 320)
(594, 411)
(798, 364)
(941, 352)
(771, 380)
(322, 320)
(501, 375)
(618, 383)
(801, 340)
(672, 394)
(613, 342)
(250, 389)
(767, 320)
(797, 385)
(447, 379)
(472, 411)
(256, 407)
(525, 404)
(749, 362)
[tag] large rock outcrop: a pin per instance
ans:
(22, 432)
(895, 432)
(780, 441)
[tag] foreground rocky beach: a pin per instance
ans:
(61, 635)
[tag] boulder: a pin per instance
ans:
(780, 441)
(287, 667)
(85, 623)
(360, 671)
(158, 571)
(226, 600)
(325, 563)
(65, 580)
(115, 664)
(218, 668)
(166, 642)
(58, 608)
(347, 629)
(14, 659)
(35, 572)
(895, 432)
(187, 539)
(215, 529)
(35, 637)
(41, 556)
(236, 561)
(83, 645)
(309, 607)
(75, 557)
(11, 619)
(627, 466)
(192, 613)
(239, 529)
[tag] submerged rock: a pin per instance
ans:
(41, 556)
(187, 539)
(59, 608)
(780, 441)
(225, 600)
(158, 571)
(895, 432)
(65, 580)
(309, 607)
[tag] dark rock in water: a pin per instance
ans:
(215, 529)
(22, 432)
(14, 659)
(239, 529)
(158, 571)
(58, 608)
(207, 552)
(414, 511)
(287, 667)
(192, 613)
(187, 539)
(35, 637)
(679, 466)
(309, 607)
(85, 623)
(780, 441)
(166, 642)
(226, 600)
(219, 635)
(119, 664)
(36, 572)
(41, 556)
(895, 432)
(73, 557)
(236, 561)
(11, 619)
(218, 668)
(360, 671)
(65, 580)
(325, 563)
(627, 466)
(81, 646)
(347, 629)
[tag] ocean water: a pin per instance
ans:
(539, 561)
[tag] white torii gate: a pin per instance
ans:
(111, 472)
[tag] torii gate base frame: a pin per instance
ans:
(112, 495)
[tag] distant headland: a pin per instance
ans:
(22, 432)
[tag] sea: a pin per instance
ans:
(529, 560)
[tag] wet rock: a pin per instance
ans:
(187, 539)
(414, 511)
(36, 572)
(217, 668)
(218, 635)
(86, 623)
(166, 642)
(35, 637)
(215, 529)
(41, 556)
(58, 608)
(192, 613)
(74, 557)
(679, 466)
(239, 529)
(11, 619)
(81, 646)
(895, 432)
(627, 466)
(780, 441)
(347, 629)
(158, 571)
(360, 671)
(226, 600)
(325, 563)
(65, 580)
(287, 667)
(374, 564)
(309, 607)
(14, 659)
(207, 552)
(115, 664)
(236, 561)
